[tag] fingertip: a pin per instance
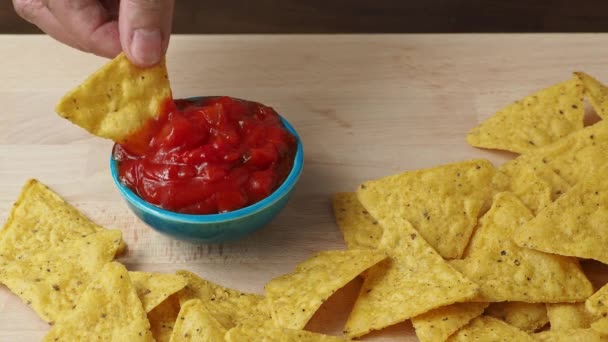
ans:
(145, 48)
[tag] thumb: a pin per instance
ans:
(145, 27)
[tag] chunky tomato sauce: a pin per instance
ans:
(208, 156)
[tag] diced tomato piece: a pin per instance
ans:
(213, 173)
(128, 172)
(230, 200)
(260, 185)
(255, 136)
(169, 172)
(200, 155)
(214, 114)
(238, 176)
(150, 190)
(207, 206)
(263, 157)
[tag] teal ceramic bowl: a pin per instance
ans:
(214, 228)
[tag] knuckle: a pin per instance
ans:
(28, 9)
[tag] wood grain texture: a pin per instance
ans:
(364, 105)
(365, 16)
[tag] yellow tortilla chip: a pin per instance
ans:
(601, 326)
(528, 317)
(596, 92)
(442, 203)
(154, 288)
(507, 272)
(486, 328)
(247, 333)
(261, 316)
(597, 304)
(118, 99)
(109, 310)
(573, 158)
(414, 281)
(195, 323)
(162, 319)
(39, 220)
(574, 225)
(359, 228)
(440, 323)
(229, 307)
(533, 121)
(294, 298)
(570, 335)
(568, 316)
(536, 185)
(52, 281)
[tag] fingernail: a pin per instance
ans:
(146, 46)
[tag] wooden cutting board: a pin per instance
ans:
(364, 105)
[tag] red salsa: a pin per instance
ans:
(208, 156)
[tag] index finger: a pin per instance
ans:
(89, 24)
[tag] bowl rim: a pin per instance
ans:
(274, 197)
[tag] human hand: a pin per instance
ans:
(140, 28)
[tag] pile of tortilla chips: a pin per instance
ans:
(483, 253)
(62, 265)
(466, 251)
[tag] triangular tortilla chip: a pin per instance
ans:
(414, 281)
(295, 297)
(162, 319)
(442, 203)
(486, 328)
(528, 317)
(574, 225)
(568, 316)
(439, 324)
(246, 333)
(154, 288)
(570, 335)
(359, 229)
(118, 99)
(195, 323)
(596, 92)
(52, 281)
(573, 158)
(597, 304)
(40, 220)
(534, 121)
(536, 185)
(109, 310)
(507, 272)
(230, 307)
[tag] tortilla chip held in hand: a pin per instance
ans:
(116, 101)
